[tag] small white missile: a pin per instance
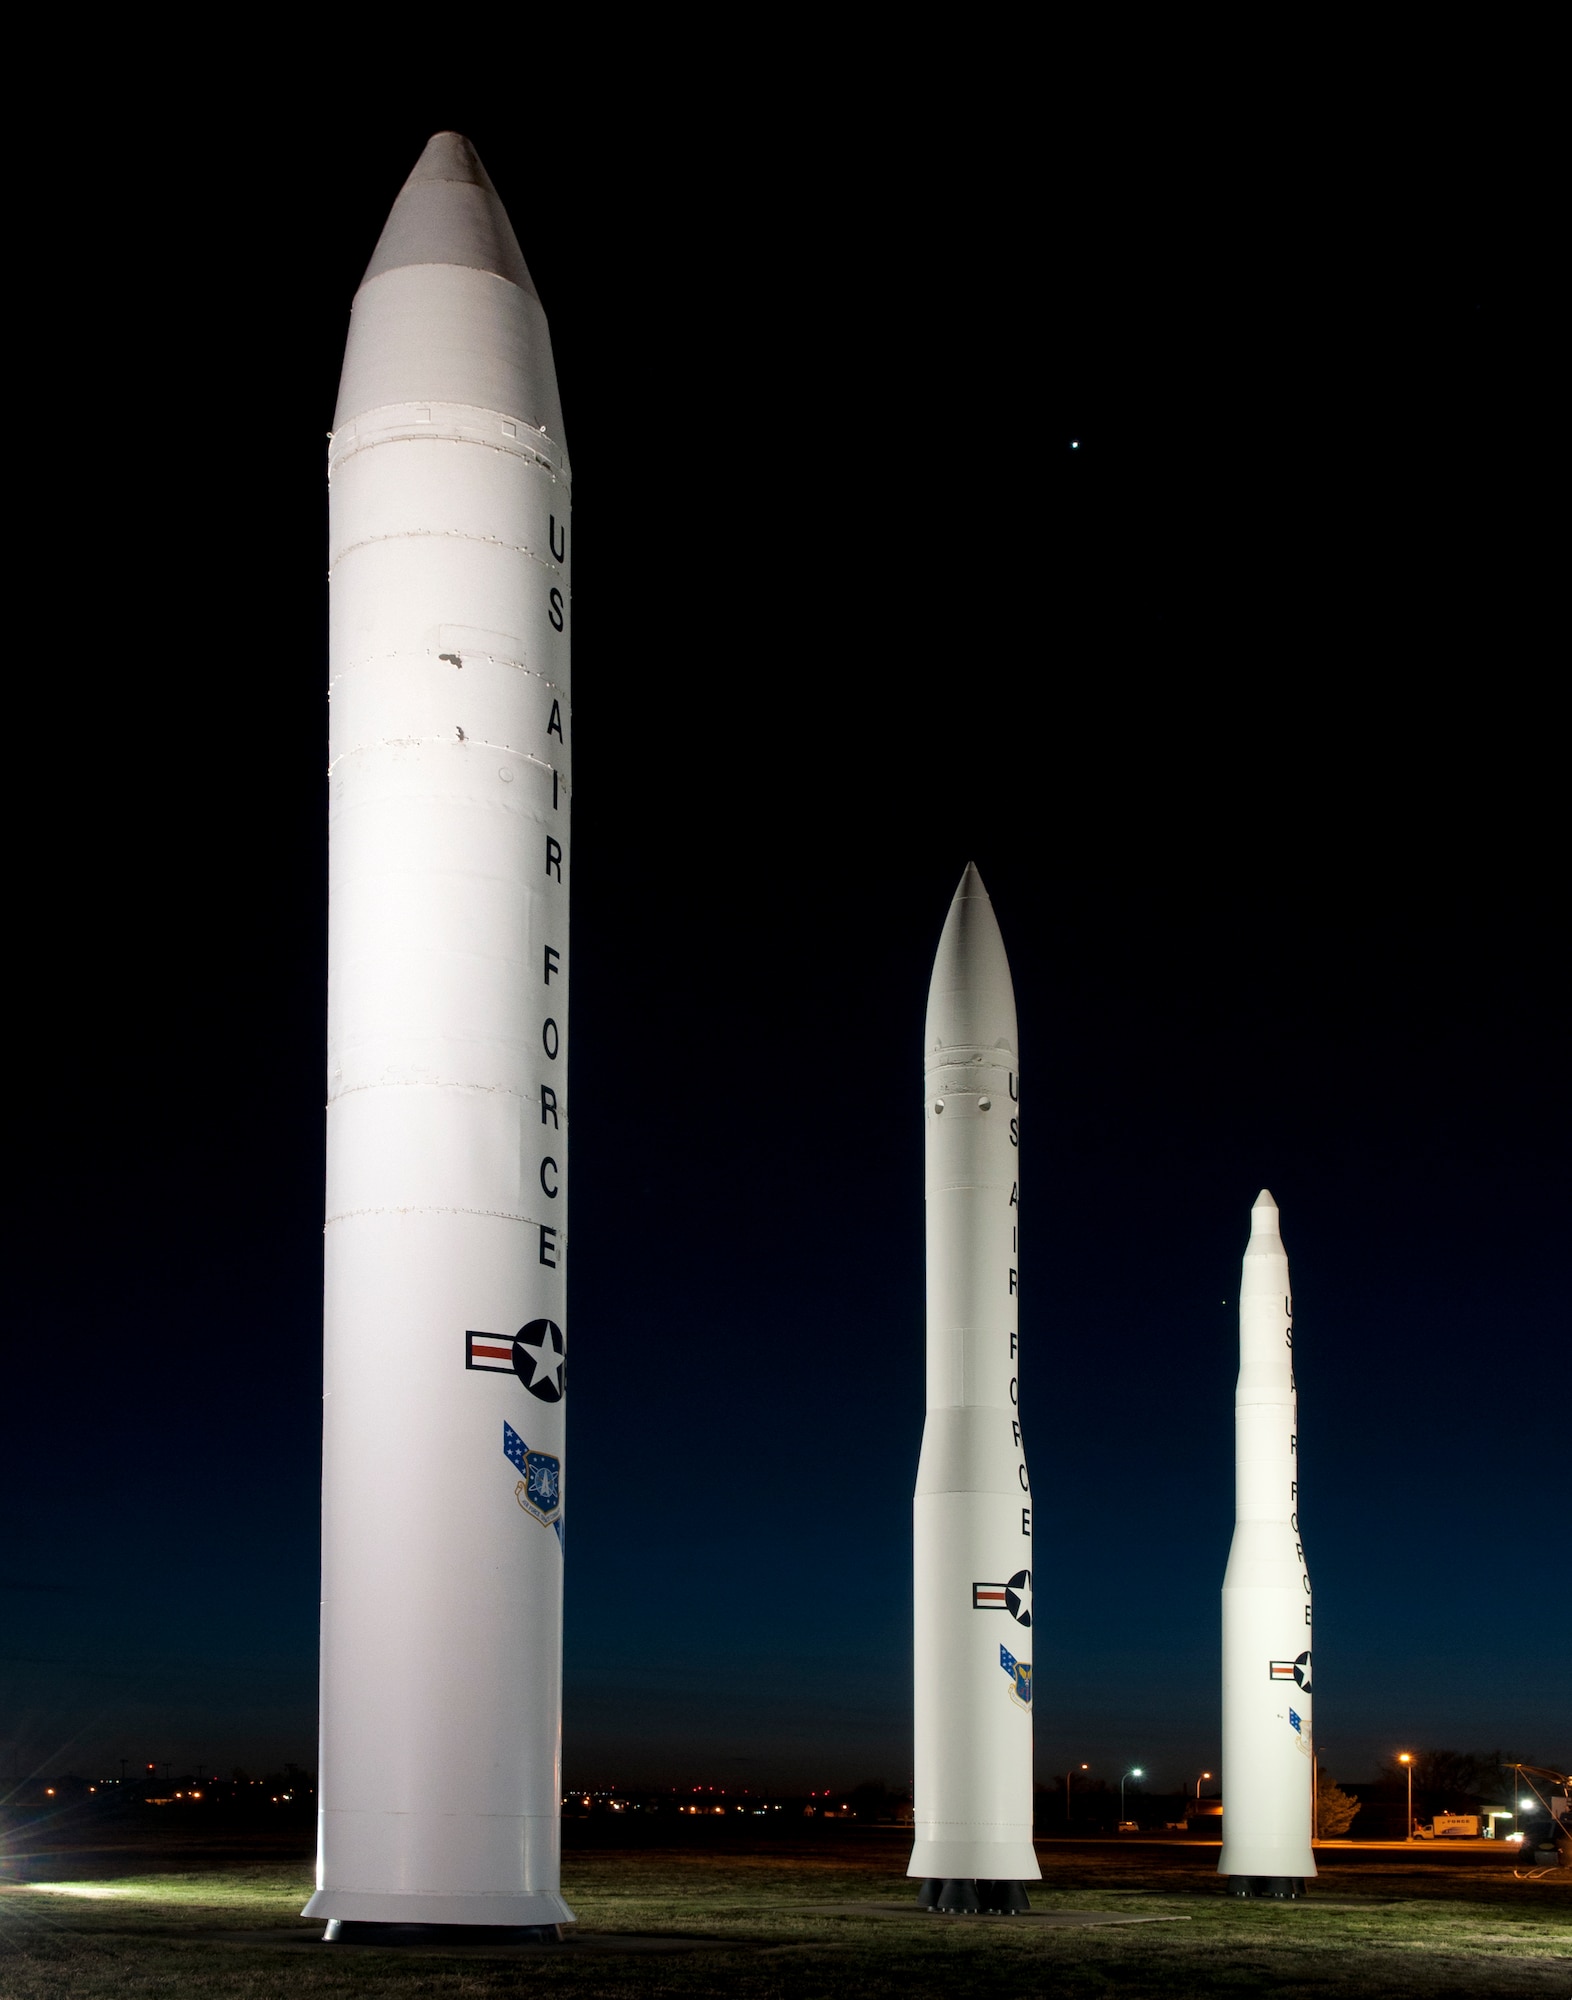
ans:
(972, 1516)
(446, 1239)
(1268, 1749)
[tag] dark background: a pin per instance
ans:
(1147, 509)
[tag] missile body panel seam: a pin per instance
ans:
(435, 655)
(448, 423)
(489, 744)
(438, 535)
(456, 1083)
(509, 1215)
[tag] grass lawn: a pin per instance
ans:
(745, 1924)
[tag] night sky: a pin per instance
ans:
(1148, 517)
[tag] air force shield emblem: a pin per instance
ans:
(540, 1483)
(539, 1492)
(1020, 1672)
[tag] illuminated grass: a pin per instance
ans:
(1454, 1933)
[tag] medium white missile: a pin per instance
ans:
(972, 1516)
(1268, 1750)
(446, 1240)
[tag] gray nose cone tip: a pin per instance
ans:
(448, 212)
(971, 997)
(1265, 1223)
(449, 156)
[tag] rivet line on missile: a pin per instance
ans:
(474, 652)
(424, 430)
(469, 742)
(367, 425)
(464, 423)
(442, 535)
(556, 476)
(350, 447)
(436, 1208)
(447, 1083)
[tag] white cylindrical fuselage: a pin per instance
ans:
(1268, 1749)
(972, 1516)
(447, 1187)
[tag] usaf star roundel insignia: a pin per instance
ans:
(1014, 1597)
(1302, 1671)
(1018, 1597)
(537, 1359)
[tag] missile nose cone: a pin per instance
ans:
(1265, 1225)
(449, 156)
(971, 997)
(448, 212)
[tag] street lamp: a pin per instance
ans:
(1136, 1773)
(1204, 1774)
(1408, 1764)
(1067, 1777)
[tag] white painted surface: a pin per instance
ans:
(1268, 1761)
(439, 1783)
(972, 1791)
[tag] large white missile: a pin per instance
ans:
(1268, 1750)
(447, 1126)
(972, 1516)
